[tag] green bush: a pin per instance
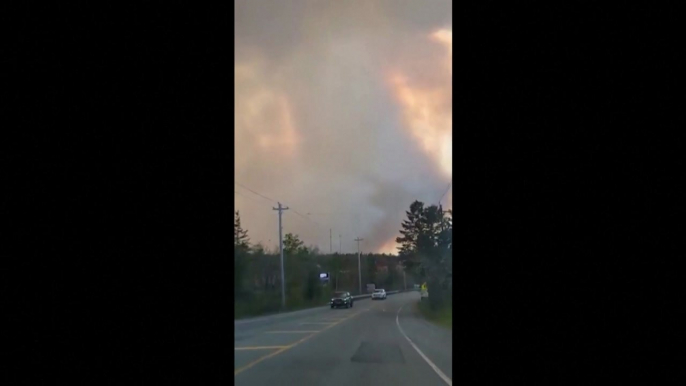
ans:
(442, 316)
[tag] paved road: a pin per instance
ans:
(364, 345)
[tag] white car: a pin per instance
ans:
(379, 294)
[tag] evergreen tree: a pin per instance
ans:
(292, 245)
(240, 235)
(426, 248)
(241, 245)
(410, 229)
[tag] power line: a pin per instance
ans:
(259, 194)
(315, 222)
(318, 226)
(272, 200)
(302, 215)
(243, 195)
(259, 203)
(307, 218)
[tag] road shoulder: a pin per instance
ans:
(433, 340)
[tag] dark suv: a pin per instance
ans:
(341, 299)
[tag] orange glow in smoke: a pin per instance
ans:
(390, 247)
(285, 136)
(427, 110)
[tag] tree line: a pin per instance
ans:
(426, 249)
(424, 255)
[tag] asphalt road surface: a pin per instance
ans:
(380, 342)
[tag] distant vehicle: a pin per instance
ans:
(379, 294)
(341, 299)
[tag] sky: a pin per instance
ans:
(343, 113)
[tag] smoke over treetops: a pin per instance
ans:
(343, 111)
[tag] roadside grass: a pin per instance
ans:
(442, 317)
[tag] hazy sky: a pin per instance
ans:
(344, 111)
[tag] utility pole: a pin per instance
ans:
(340, 243)
(404, 281)
(283, 277)
(330, 243)
(359, 267)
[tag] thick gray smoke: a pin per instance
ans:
(325, 126)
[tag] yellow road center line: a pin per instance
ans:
(260, 348)
(253, 363)
(277, 352)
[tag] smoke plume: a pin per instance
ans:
(343, 114)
